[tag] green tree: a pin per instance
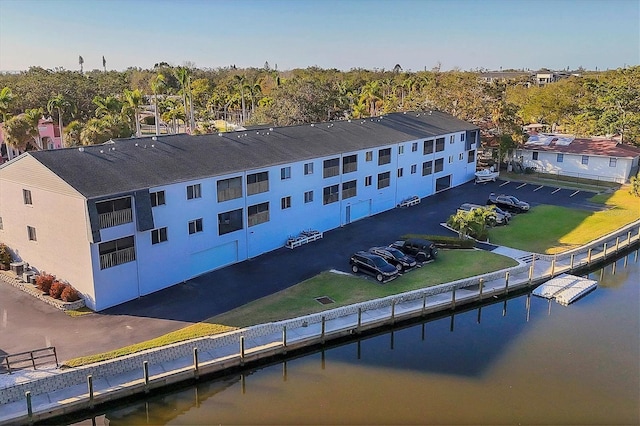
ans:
(58, 102)
(20, 131)
(133, 99)
(158, 85)
(109, 105)
(6, 96)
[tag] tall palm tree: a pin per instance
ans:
(133, 99)
(33, 117)
(254, 89)
(240, 81)
(6, 96)
(371, 94)
(109, 105)
(183, 76)
(58, 102)
(22, 130)
(80, 61)
(158, 84)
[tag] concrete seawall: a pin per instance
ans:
(38, 395)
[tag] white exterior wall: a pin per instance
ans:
(59, 215)
(597, 168)
(184, 256)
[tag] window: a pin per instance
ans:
(331, 168)
(461, 156)
(367, 181)
(31, 233)
(384, 156)
(535, 155)
(308, 168)
(114, 212)
(450, 159)
(585, 159)
(257, 183)
(560, 158)
(229, 221)
(461, 137)
(384, 180)
(400, 149)
(117, 252)
(26, 196)
(158, 235)
(1, 226)
(428, 147)
(427, 168)
(330, 194)
(439, 144)
(308, 197)
(195, 226)
(414, 147)
(258, 214)
(414, 169)
(350, 163)
(157, 199)
(452, 139)
(193, 191)
(472, 157)
(285, 173)
(368, 156)
(349, 189)
(229, 189)
(613, 162)
(439, 165)
(400, 172)
(285, 202)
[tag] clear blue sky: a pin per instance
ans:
(343, 34)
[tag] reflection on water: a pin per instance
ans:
(525, 360)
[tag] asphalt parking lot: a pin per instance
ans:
(29, 324)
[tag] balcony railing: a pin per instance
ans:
(115, 218)
(118, 257)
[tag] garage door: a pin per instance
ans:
(443, 183)
(213, 258)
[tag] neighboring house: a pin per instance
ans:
(49, 139)
(132, 216)
(596, 158)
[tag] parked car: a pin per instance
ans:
(421, 250)
(401, 261)
(373, 264)
(508, 202)
(500, 218)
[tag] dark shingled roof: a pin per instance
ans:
(126, 165)
(603, 147)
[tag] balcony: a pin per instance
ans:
(117, 257)
(115, 218)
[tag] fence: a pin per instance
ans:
(33, 358)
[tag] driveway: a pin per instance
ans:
(29, 324)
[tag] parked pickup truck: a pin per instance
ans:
(508, 202)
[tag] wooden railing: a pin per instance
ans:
(115, 218)
(17, 361)
(118, 257)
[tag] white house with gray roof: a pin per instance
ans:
(132, 216)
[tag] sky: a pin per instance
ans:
(342, 34)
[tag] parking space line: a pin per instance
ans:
(573, 194)
(520, 186)
(557, 189)
(506, 183)
(540, 187)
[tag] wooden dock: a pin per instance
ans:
(565, 288)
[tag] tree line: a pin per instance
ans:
(96, 106)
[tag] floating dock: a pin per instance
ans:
(565, 288)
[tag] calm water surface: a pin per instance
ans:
(500, 364)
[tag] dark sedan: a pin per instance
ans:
(401, 261)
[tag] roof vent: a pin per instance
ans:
(311, 124)
(268, 132)
(271, 129)
(153, 146)
(154, 138)
(102, 151)
(349, 120)
(136, 143)
(220, 134)
(81, 149)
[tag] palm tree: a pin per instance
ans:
(33, 117)
(58, 102)
(22, 130)
(6, 96)
(254, 90)
(72, 131)
(133, 99)
(158, 84)
(240, 79)
(109, 105)
(80, 61)
(370, 95)
(183, 76)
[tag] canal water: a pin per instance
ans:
(523, 361)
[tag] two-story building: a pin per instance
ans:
(50, 138)
(132, 216)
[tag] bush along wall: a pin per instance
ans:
(442, 241)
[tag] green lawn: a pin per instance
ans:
(300, 300)
(553, 229)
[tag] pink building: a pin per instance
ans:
(49, 139)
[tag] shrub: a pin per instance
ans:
(443, 241)
(44, 282)
(70, 294)
(5, 256)
(56, 289)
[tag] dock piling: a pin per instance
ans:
(27, 394)
(90, 386)
(145, 371)
(196, 368)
